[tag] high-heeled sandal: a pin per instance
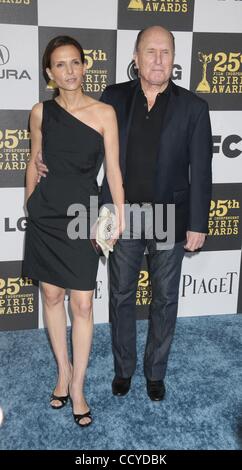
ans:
(78, 418)
(63, 401)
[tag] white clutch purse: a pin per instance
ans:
(106, 227)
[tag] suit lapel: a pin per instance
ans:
(164, 156)
(171, 105)
(129, 108)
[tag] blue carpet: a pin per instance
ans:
(202, 408)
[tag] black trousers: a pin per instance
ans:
(164, 270)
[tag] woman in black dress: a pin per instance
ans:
(73, 132)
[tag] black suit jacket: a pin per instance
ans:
(183, 166)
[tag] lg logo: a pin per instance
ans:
(231, 146)
(132, 71)
(4, 54)
(19, 225)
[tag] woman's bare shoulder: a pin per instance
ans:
(99, 105)
(36, 115)
(106, 110)
(37, 110)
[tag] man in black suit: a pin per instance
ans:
(165, 157)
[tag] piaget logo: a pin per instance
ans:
(213, 285)
(12, 155)
(221, 73)
(13, 299)
(96, 77)
(143, 293)
(223, 217)
(163, 6)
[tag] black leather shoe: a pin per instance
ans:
(120, 385)
(156, 389)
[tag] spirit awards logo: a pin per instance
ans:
(16, 296)
(17, 2)
(203, 86)
(143, 293)
(162, 6)
(96, 78)
(224, 218)
(14, 150)
(7, 73)
(225, 75)
(137, 5)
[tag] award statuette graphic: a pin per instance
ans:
(136, 5)
(203, 86)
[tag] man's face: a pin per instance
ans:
(155, 57)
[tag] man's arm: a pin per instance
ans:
(200, 150)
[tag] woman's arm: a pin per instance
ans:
(36, 145)
(113, 172)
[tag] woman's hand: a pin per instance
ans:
(42, 169)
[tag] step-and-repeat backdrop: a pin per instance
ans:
(208, 61)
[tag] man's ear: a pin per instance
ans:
(135, 58)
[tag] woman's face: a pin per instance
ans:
(66, 68)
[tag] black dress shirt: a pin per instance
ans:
(143, 145)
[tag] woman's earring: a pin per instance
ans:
(51, 85)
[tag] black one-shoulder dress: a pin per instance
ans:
(73, 152)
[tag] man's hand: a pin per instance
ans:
(195, 241)
(41, 167)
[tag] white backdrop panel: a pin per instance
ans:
(218, 16)
(125, 49)
(12, 224)
(78, 13)
(20, 74)
(227, 158)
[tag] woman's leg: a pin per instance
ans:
(82, 329)
(55, 317)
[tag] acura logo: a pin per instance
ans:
(4, 54)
